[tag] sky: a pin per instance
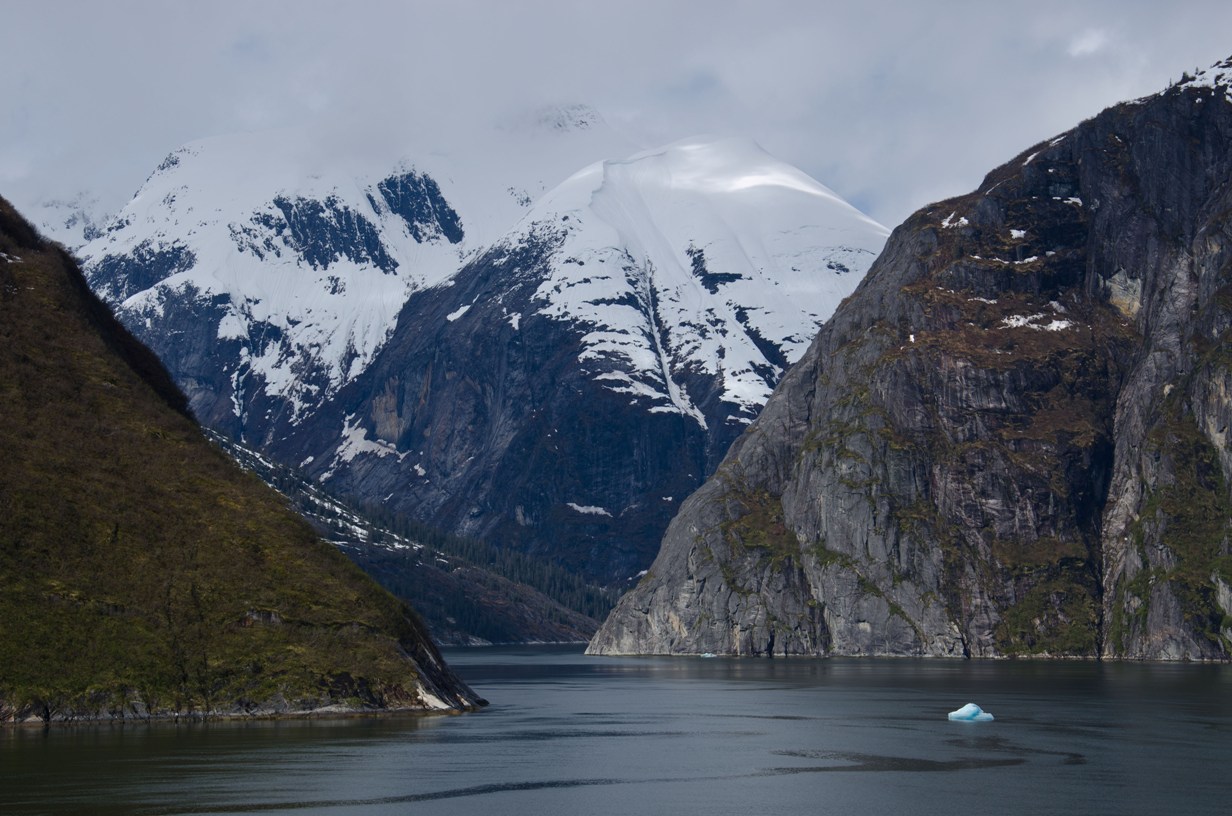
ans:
(892, 104)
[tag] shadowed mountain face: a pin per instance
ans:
(491, 428)
(1012, 439)
(141, 572)
(548, 357)
(570, 385)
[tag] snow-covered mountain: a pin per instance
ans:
(568, 387)
(72, 221)
(267, 268)
(479, 334)
(707, 257)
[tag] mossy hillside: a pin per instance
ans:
(136, 561)
(755, 535)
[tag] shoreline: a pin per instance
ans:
(324, 713)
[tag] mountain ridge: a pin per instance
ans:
(297, 261)
(468, 593)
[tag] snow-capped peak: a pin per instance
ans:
(303, 252)
(1217, 76)
(707, 256)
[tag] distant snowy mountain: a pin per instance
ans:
(479, 335)
(267, 271)
(568, 387)
(72, 222)
(707, 257)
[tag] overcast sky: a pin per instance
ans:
(892, 104)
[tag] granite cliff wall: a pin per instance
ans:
(1011, 439)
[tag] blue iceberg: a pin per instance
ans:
(971, 713)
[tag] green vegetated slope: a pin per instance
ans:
(141, 571)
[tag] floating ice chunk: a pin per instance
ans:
(971, 713)
(589, 510)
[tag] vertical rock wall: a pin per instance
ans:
(1012, 439)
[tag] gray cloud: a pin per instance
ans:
(893, 105)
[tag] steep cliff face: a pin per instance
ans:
(486, 426)
(1012, 439)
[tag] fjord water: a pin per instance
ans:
(568, 734)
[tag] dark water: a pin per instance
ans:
(567, 734)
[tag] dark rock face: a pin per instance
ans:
(416, 199)
(117, 278)
(324, 231)
(1012, 439)
(487, 426)
(711, 280)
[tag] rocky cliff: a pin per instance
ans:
(1011, 440)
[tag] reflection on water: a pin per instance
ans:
(567, 734)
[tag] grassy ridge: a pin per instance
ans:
(137, 563)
